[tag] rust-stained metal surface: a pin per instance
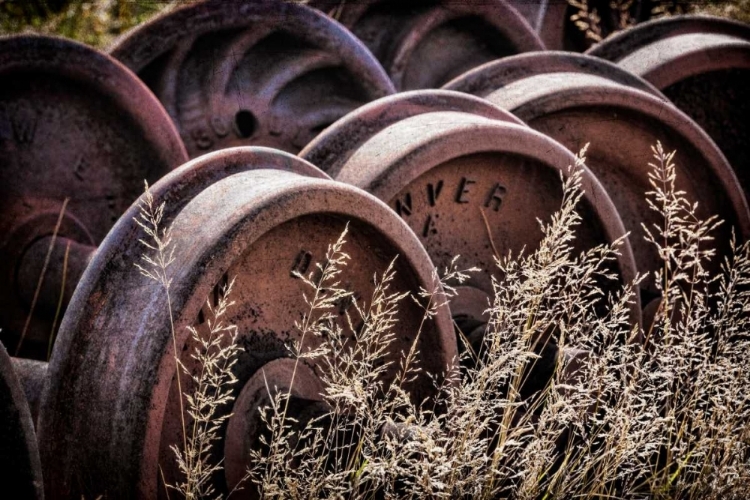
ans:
(702, 64)
(32, 375)
(525, 66)
(76, 124)
(467, 184)
(20, 469)
(111, 409)
(268, 73)
(621, 124)
(335, 146)
(423, 44)
(551, 19)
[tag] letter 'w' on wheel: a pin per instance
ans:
(702, 64)
(108, 427)
(470, 179)
(581, 99)
(115, 256)
(423, 44)
(77, 125)
(248, 72)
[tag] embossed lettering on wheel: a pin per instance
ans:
(109, 430)
(267, 73)
(470, 180)
(74, 123)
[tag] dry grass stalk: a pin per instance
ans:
(624, 413)
(618, 413)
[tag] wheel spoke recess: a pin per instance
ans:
(248, 72)
(551, 19)
(424, 44)
(111, 409)
(74, 124)
(20, 469)
(574, 103)
(469, 178)
(702, 64)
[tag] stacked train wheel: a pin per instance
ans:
(702, 64)
(424, 44)
(423, 175)
(472, 181)
(266, 73)
(75, 125)
(576, 25)
(578, 99)
(105, 429)
(20, 468)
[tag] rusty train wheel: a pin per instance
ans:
(20, 468)
(425, 44)
(702, 64)
(467, 184)
(267, 73)
(174, 190)
(550, 62)
(253, 225)
(73, 123)
(333, 148)
(621, 123)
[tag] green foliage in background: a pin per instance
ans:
(98, 22)
(733, 9)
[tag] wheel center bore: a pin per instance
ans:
(246, 425)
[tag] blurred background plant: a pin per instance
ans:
(98, 22)
(95, 22)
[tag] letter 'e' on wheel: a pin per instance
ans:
(470, 179)
(75, 124)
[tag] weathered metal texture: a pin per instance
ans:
(20, 469)
(32, 375)
(550, 62)
(551, 19)
(65, 265)
(424, 43)
(332, 149)
(111, 409)
(177, 188)
(621, 124)
(468, 184)
(702, 64)
(76, 124)
(268, 73)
